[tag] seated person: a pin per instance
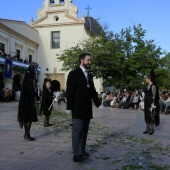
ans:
(121, 103)
(128, 100)
(109, 98)
(118, 100)
(113, 102)
(163, 97)
(167, 105)
(135, 102)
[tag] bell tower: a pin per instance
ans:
(57, 5)
(53, 2)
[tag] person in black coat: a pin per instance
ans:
(151, 98)
(26, 110)
(80, 93)
(47, 99)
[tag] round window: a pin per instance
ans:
(56, 18)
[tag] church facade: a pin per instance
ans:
(57, 28)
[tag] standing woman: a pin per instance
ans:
(26, 110)
(47, 99)
(151, 97)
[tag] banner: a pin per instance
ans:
(8, 69)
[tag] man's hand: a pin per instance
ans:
(153, 106)
(68, 111)
(101, 107)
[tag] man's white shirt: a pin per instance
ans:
(85, 72)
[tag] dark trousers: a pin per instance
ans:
(79, 135)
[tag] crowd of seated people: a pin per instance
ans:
(164, 102)
(134, 100)
(15, 58)
(124, 99)
(7, 95)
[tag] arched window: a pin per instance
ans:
(52, 2)
(16, 85)
(62, 2)
(1, 81)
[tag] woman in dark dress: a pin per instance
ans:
(151, 98)
(47, 99)
(26, 110)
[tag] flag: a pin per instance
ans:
(8, 68)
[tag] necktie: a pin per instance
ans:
(86, 74)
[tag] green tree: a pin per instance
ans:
(163, 72)
(121, 59)
(165, 62)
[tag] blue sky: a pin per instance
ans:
(118, 14)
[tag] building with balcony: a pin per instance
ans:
(57, 28)
(19, 42)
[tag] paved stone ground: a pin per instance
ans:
(115, 141)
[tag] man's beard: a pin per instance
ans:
(86, 66)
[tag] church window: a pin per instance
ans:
(30, 58)
(56, 18)
(18, 52)
(61, 1)
(55, 39)
(2, 46)
(52, 2)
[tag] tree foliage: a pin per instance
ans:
(163, 72)
(121, 59)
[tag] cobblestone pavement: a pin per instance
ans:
(115, 141)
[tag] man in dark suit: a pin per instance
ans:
(80, 93)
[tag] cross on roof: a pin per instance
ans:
(88, 10)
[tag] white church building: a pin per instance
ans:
(57, 28)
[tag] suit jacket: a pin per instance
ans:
(80, 95)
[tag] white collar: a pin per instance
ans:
(83, 69)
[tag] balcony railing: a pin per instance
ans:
(17, 63)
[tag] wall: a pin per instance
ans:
(13, 42)
(69, 36)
